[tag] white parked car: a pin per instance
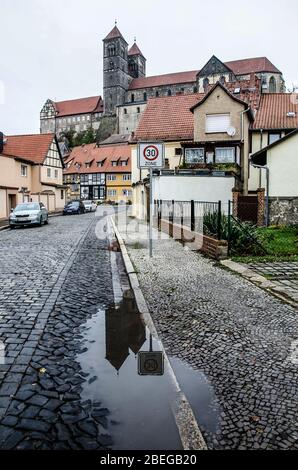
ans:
(90, 206)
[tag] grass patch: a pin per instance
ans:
(281, 244)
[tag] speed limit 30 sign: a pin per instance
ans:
(151, 155)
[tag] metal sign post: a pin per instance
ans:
(151, 155)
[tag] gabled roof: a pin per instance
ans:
(32, 148)
(92, 153)
(233, 97)
(134, 50)
(214, 65)
(167, 118)
(238, 67)
(254, 65)
(273, 109)
(115, 33)
(263, 151)
(79, 106)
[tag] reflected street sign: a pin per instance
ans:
(150, 363)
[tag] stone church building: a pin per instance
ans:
(126, 89)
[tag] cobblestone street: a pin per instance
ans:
(241, 340)
(50, 285)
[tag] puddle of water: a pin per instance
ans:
(199, 393)
(140, 406)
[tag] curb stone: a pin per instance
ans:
(259, 281)
(190, 433)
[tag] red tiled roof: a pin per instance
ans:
(79, 106)
(33, 148)
(273, 109)
(115, 33)
(256, 65)
(239, 67)
(87, 153)
(134, 50)
(168, 118)
(167, 79)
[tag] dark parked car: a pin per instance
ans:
(74, 207)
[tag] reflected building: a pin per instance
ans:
(124, 331)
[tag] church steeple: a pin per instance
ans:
(115, 70)
(136, 61)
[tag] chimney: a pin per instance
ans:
(1, 142)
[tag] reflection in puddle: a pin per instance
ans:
(140, 406)
(199, 393)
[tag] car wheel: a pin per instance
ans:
(11, 227)
(46, 221)
(40, 222)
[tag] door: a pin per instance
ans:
(12, 202)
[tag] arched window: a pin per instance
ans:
(111, 50)
(125, 111)
(156, 94)
(206, 84)
(169, 92)
(195, 89)
(145, 96)
(132, 97)
(272, 85)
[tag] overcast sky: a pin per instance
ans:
(53, 48)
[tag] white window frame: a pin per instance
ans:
(111, 177)
(225, 148)
(49, 173)
(189, 150)
(24, 171)
(219, 127)
(126, 177)
(112, 192)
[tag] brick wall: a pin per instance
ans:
(216, 249)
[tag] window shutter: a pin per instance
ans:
(217, 123)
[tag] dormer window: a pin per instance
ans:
(114, 163)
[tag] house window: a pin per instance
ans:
(195, 89)
(112, 192)
(156, 94)
(125, 111)
(145, 96)
(111, 177)
(138, 110)
(62, 194)
(126, 177)
(132, 97)
(178, 151)
(49, 173)
(114, 163)
(124, 163)
(225, 155)
(24, 170)
(126, 192)
(99, 164)
(194, 155)
(169, 92)
(273, 138)
(56, 174)
(216, 123)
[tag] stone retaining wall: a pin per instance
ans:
(283, 211)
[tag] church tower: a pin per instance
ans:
(115, 70)
(136, 62)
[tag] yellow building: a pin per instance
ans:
(30, 170)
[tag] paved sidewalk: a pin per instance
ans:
(239, 337)
(283, 274)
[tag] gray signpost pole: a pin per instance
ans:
(151, 215)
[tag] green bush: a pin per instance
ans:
(243, 237)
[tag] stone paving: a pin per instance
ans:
(52, 280)
(244, 340)
(282, 274)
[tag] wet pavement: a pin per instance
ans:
(72, 337)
